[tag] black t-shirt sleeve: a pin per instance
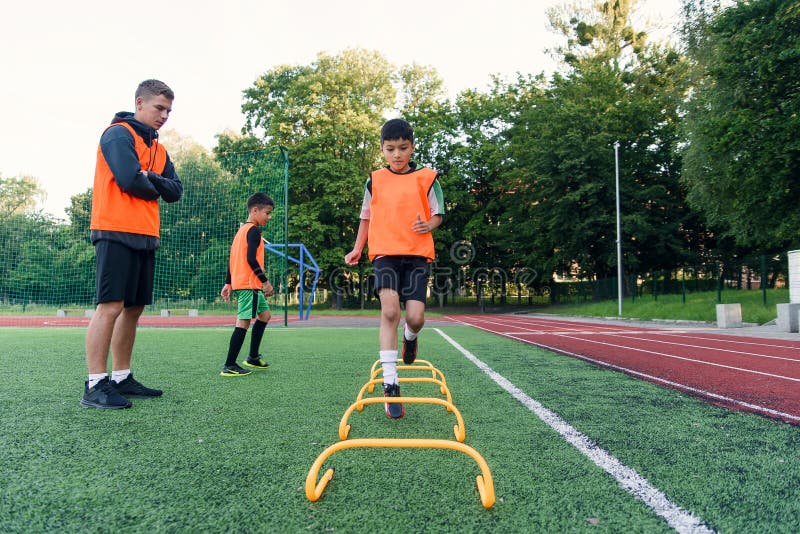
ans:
(253, 243)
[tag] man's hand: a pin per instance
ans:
(226, 292)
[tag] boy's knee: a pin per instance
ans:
(415, 322)
(264, 316)
(391, 315)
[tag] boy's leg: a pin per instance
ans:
(414, 291)
(415, 320)
(245, 306)
(390, 319)
(255, 360)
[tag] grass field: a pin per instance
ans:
(232, 455)
(699, 306)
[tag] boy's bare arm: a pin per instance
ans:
(354, 255)
(423, 227)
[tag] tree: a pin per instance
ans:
(328, 114)
(19, 195)
(741, 160)
(615, 87)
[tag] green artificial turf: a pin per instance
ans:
(232, 454)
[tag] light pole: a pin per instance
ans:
(619, 233)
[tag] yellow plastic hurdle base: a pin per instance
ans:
(484, 481)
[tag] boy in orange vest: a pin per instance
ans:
(249, 284)
(402, 205)
(133, 170)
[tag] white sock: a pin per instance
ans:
(389, 364)
(408, 334)
(94, 378)
(119, 376)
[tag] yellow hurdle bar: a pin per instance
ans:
(484, 480)
(458, 429)
(424, 366)
(372, 383)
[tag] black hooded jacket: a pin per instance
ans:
(119, 152)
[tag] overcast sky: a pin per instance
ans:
(67, 67)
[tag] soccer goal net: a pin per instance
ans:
(47, 265)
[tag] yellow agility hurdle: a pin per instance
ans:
(370, 386)
(418, 365)
(458, 429)
(484, 481)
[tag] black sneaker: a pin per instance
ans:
(103, 396)
(394, 410)
(256, 363)
(234, 370)
(409, 351)
(134, 389)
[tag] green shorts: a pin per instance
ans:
(251, 303)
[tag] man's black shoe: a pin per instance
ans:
(409, 351)
(103, 396)
(133, 389)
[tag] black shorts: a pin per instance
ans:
(124, 274)
(408, 275)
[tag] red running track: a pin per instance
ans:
(743, 373)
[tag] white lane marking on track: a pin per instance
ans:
(632, 335)
(683, 358)
(514, 322)
(655, 353)
(683, 387)
(629, 479)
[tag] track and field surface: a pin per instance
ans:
(572, 446)
(744, 373)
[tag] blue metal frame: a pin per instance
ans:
(301, 262)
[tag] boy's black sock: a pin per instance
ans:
(255, 338)
(237, 340)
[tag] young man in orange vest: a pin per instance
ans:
(249, 284)
(132, 172)
(402, 206)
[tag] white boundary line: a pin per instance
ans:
(754, 407)
(635, 484)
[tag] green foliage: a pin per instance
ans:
(18, 195)
(561, 156)
(328, 114)
(741, 159)
(48, 261)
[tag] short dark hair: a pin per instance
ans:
(397, 129)
(150, 88)
(260, 200)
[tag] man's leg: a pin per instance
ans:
(121, 353)
(98, 391)
(124, 336)
(99, 334)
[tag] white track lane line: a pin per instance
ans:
(683, 358)
(633, 335)
(634, 483)
(655, 353)
(683, 387)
